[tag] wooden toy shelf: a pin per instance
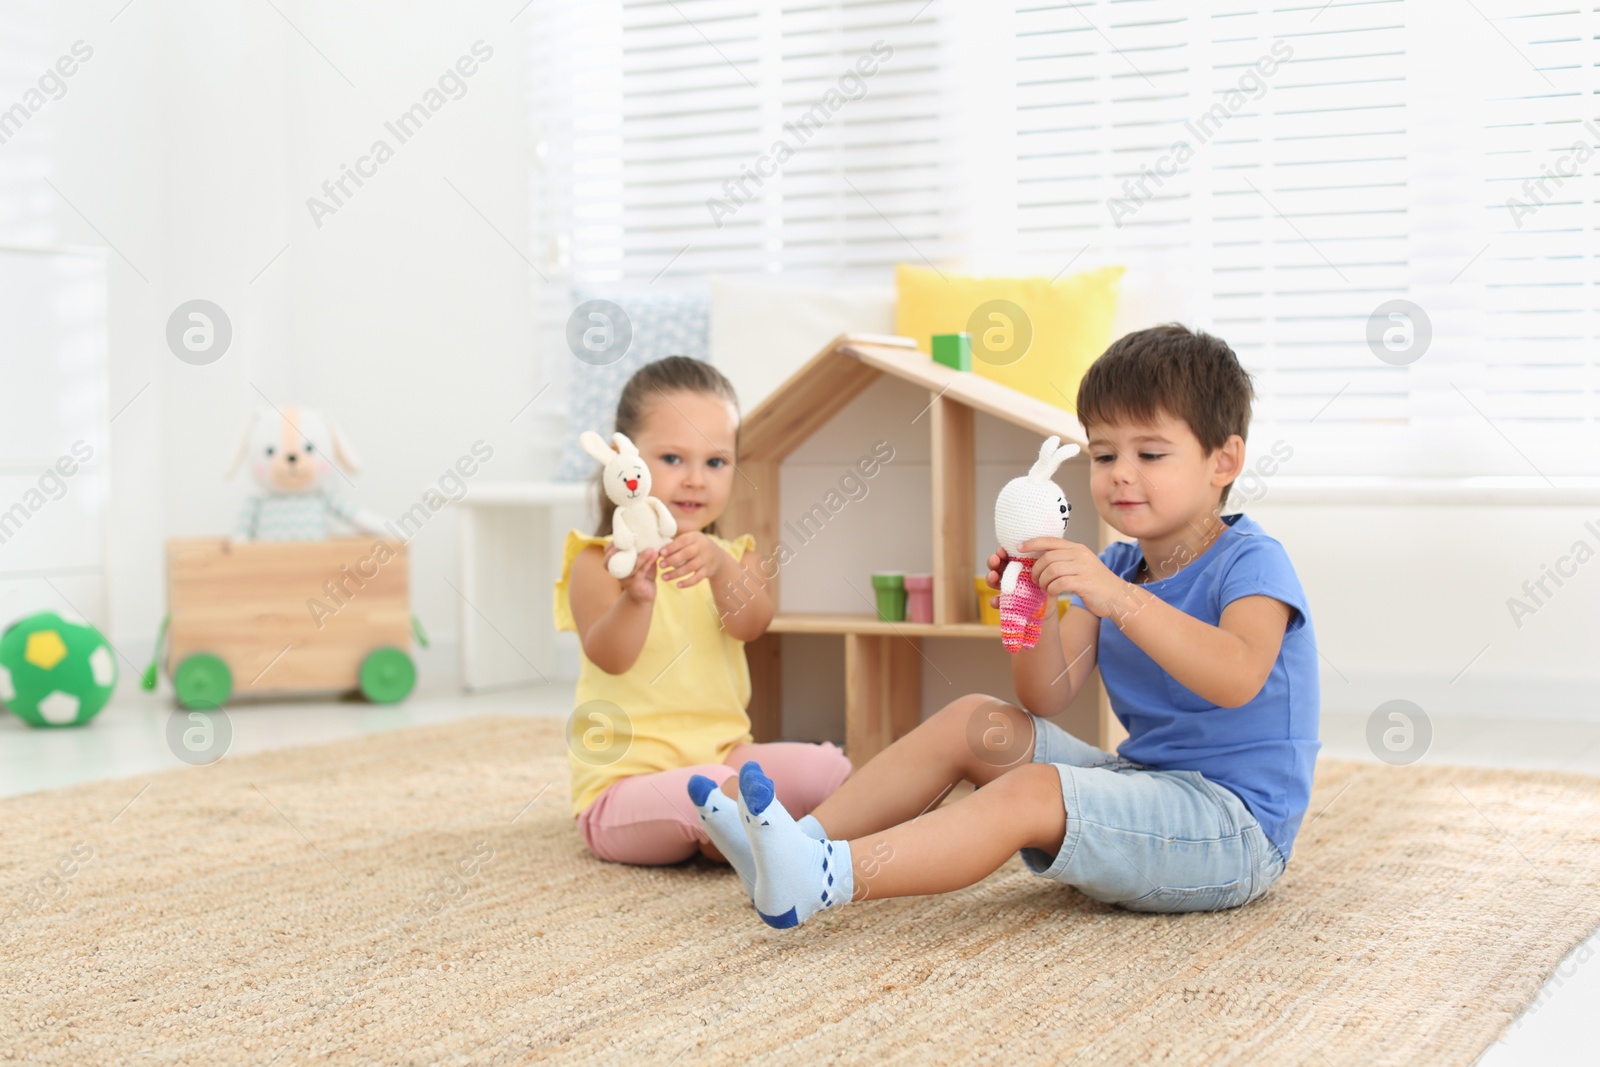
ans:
(883, 660)
(819, 623)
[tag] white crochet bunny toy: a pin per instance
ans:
(1028, 507)
(640, 521)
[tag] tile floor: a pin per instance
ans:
(129, 739)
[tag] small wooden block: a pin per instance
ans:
(954, 350)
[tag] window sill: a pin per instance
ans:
(1455, 492)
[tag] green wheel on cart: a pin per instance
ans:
(387, 676)
(203, 682)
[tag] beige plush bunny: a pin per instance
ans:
(290, 453)
(640, 521)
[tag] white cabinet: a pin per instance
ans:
(54, 423)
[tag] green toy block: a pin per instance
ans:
(954, 350)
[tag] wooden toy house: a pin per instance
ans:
(939, 444)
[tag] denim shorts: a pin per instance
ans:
(1150, 840)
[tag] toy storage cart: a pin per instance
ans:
(288, 617)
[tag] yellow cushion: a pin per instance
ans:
(1033, 335)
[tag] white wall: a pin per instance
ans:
(1410, 601)
(191, 141)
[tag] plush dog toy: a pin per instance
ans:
(640, 521)
(1028, 507)
(291, 454)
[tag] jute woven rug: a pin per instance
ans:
(422, 897)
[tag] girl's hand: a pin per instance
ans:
(1068, 567)
(692, 557)
(997, 563)
(640, 586)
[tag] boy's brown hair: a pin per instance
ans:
(1191, 375)
(674, 374)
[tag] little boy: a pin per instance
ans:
(1201, 632)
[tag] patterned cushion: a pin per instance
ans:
(661, 324)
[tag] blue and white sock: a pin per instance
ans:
(811, 828)
(796, 876)
(719, 814)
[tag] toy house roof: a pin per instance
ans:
(839, 373)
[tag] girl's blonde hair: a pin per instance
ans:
(674, 374)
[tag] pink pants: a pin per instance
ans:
(649, 820)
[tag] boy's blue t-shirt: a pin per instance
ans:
(1265, 750)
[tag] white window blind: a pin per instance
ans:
(33, 39)
(52, 342)
(1540, 142)
(1285, 171)
(676, 139)
(680, 138)
(1277, 174)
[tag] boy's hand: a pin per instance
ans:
(1068, 567)
(692, 557)
(640, 586)
(997, 563)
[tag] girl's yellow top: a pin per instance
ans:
(683, 701)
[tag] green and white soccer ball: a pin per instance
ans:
(54, 672)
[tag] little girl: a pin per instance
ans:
(660, 721)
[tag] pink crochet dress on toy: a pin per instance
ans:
(1028, 507)
(1022, 611)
